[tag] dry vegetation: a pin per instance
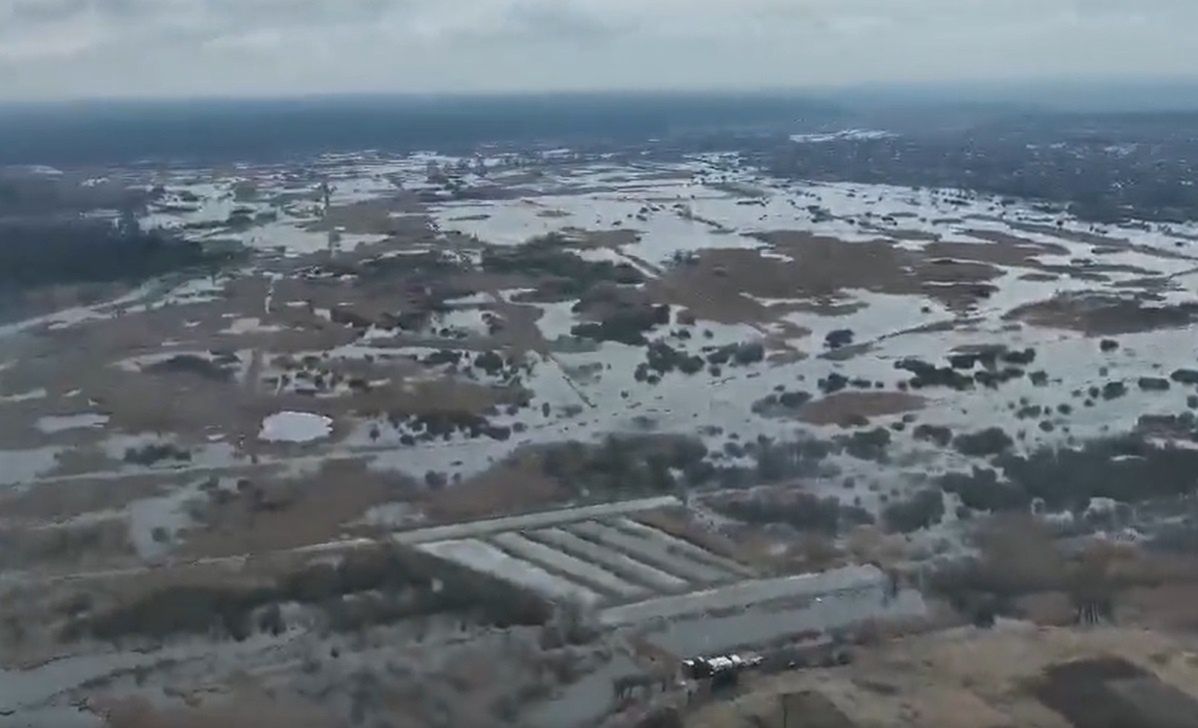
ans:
(965, 678)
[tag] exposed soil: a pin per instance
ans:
(847, 408)
(1110, 692)
(1003, 249)
(971, 678)
(247, 708)
(374, 217)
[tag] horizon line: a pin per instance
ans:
(915, 88)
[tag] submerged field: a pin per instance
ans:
(239, 465)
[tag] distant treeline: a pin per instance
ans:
(1104, 167)
(262, 129)
(39, 253)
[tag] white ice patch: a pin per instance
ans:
(844, 135)
(470, 322)
(51, 424)
(557, 319)
(295, 427)
(249, 325)
(474, 299)
(600, 255)
(32, 394)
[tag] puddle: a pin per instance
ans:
(557, 319)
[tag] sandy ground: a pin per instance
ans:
(956, 678)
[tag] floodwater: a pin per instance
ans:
(24, 466)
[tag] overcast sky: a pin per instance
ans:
(84, 48)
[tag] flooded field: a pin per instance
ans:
(600, 412)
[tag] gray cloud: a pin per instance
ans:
(61, 48)
(41, 11)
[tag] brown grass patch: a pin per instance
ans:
(680, 523)
(1098, 315)
(513, 486)
(956, 679)
(248, 708)
(845, 408)
(283, 514)
(714, 285)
